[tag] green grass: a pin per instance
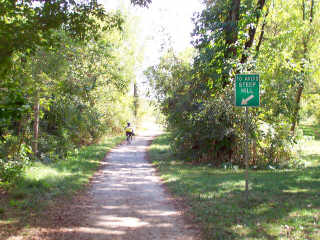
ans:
(311, 147)
(283, 204)
(43, 183)
(311, 130)
(311, 153)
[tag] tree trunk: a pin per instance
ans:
(231, 35)
(36, 110)
(297, 107)
(231, 29)
(262, 32)
(20, 133)
(305, 40)
(136, 99)
(252, 30)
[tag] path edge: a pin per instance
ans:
(180, 204)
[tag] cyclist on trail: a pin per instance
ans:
(129, 130)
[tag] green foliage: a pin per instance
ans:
(204, 127)
(285, 60)
(196, 93)
(43, 185)
(28, 24)
(10, 169)
(13, 161)
(45, 181)
(312, 131)
(82, 88)
(283, 204)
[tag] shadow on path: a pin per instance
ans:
(128, 202)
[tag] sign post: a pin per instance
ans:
(247, 90)
(247, 94)
(247, 155)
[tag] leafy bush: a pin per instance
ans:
(12, 168)
(208, 133)
(207, 127)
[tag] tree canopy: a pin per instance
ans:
(67, 83)
(276, 39)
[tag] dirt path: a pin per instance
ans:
(129, 201)
(125, 201)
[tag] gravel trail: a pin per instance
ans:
(130, 202)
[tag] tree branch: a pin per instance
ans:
(252, 30)
(262, 32)
(230, 30)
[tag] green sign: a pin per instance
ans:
(247, 90)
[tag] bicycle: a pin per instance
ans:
(129, 138)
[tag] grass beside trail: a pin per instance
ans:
(283, 204)
(311, 130)
(42, 183)
(311, 148)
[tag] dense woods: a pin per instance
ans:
(67, 70)
(277, 39)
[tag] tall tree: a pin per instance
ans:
(231, 37)
(224, 34)
(253, 29)
(27, 24)
(307, 19)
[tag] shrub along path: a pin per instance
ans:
(126, 201)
